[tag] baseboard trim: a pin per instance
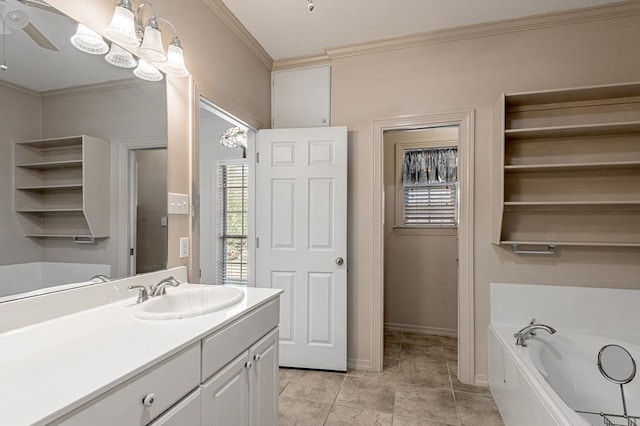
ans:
(482, 380)
(438, 331)
(359, 364)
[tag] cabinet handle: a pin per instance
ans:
(249, 364)
(257, 357)
(148, 400)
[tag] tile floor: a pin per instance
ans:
(418, 387)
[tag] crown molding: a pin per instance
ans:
(21, 90)
(300, 62)
(127, 83)
(236, 27)
(554, 19)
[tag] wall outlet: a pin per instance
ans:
(184, 247)
(177, 203)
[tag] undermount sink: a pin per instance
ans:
(186, 303)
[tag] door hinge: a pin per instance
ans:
(257, 157)
(257, 242)
(131, 251)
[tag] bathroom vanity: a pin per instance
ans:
(105, 366)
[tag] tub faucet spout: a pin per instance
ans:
(525, 334)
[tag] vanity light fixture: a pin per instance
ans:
(122, 28)
(89, 41)
(128, 28)
(120, 57)
(174, 66)
(146, 71)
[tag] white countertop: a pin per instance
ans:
(50, 368)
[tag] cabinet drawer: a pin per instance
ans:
(223, 346)
(187, 412)
(168, 382)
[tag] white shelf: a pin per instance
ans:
(45, 165)
(573, 243)
(571, 166)
(78, 210)
(50, 187)
(619, 128)
(60, 187)
(568, 167)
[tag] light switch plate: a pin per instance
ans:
(184, 247)
(178, 203)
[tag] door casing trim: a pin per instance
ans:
(465, 120)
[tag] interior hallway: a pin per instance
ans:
(418, 387)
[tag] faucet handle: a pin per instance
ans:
(143, 294)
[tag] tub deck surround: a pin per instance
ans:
(543, 383)
(48, 369)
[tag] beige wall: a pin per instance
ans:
(20, 119)
(420, 265)
(472, 73)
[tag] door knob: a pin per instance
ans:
(339, 261)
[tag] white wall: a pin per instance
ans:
(20, 120)
(211, 151)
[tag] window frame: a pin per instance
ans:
(428, 229)
(221, 238)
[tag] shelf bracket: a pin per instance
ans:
(549, 251)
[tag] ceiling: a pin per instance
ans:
(32, 67)
(286, 28)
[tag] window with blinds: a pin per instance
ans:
(430, 187)
(232, 249)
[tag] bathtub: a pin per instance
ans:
(555, 376)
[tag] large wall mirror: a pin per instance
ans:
(48, 90)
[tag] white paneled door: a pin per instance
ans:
(301, 230)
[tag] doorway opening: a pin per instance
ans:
(149, 219)
(420, 243)
(225, 188)
(464, 121)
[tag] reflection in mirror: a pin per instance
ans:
(616, 364)
(223, 199)
(51, 90)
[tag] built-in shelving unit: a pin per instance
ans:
(567, 167)
(61, 187)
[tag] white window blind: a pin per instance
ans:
(431, 204)
(232, 249)
(430, 187)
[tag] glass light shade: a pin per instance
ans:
(151, 48)
(175, 62)
(89, 41)
(146, 71)
(122, 28)
(119, 57)
(16, 19)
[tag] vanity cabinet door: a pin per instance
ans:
(225, 397)
(264, 383)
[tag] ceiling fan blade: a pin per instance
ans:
(42, 6)
(40, 39)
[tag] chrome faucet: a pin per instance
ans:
(100, 278)
(143, 294)
(160, 288)
(527, 332)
